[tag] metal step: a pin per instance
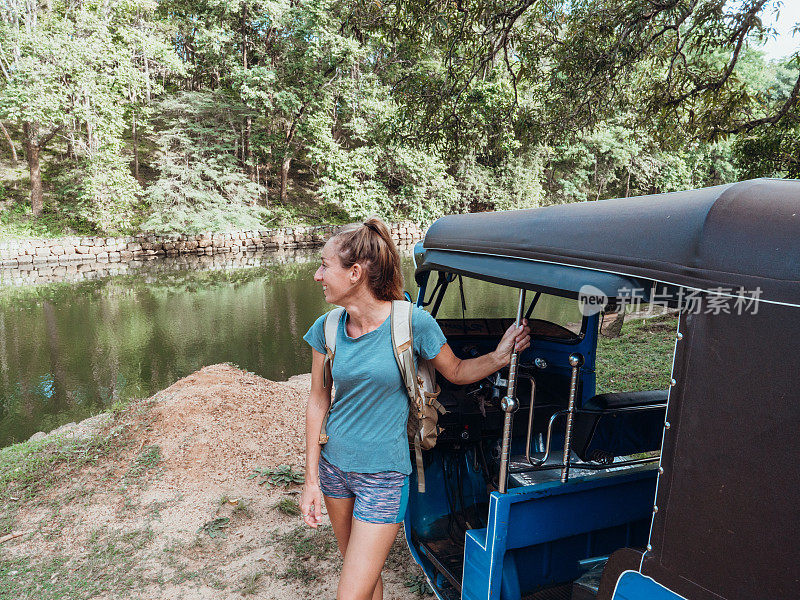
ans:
(447, 558)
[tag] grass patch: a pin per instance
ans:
(17, 222)
(153, 510)
(305, 548)
(118, 545)
(288, 507)
(640, 358)
(208, 577)
(250, 583)
(305, 543)
(237, 506)
(301, 572)
(229, 512)
(215, 527)
(241, 507)
(24, 467)
(110, 565)
(29, 469)
(147, 459)
(282, 475)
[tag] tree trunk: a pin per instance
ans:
(258, 184)
(135, 147)
(248, 148)
(244, 36)
(32, 149)
(628, 185)
(245, 144)
(147, 79)
(287, 162)
(10, 145)
(600, 185)
(71, 143)
(37, 193)
(89, 126)
(267, 182)
(613, 328)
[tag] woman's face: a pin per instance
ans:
(337, 282)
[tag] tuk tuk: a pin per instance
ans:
(539, 488)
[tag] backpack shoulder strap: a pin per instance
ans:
(403, 345)
(331, 327)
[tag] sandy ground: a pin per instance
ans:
(142, 519)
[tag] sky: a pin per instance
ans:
(784, 44)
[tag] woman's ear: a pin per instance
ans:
(355, 273)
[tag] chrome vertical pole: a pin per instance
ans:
(576, 362)
(530, 422)
(509, 405)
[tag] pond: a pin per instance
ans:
(70, 350)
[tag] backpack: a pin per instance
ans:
(420, 384)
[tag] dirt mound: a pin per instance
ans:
(165, 507)
(218, 424)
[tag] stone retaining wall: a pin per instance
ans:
(71, 250)
(147, 266)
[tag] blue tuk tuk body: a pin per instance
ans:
(550, 532)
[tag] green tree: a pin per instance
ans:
(768, 148)
(298, 76)
(408, 109)
(74, 70)
(200, 186)
(35, 92)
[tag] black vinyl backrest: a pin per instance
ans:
(626, 399)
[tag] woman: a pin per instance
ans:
(363, 469)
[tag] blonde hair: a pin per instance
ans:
(370, 245)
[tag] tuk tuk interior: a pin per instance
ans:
(452, 527)
(665, 493)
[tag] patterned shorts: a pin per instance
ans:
(380, 497)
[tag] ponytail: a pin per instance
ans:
(370, 245)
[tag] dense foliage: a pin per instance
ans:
(186, 115)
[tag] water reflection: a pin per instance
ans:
(69, 350)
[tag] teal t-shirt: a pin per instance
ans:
(367, 423)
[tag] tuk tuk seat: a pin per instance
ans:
(619, 424)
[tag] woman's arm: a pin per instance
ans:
(462, 372)
(318, 403)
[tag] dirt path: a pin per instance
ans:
(169, 510)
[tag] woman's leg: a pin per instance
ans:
(340, 512)
(367, 548)
(365, 526)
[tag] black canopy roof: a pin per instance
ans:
(722, 238)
